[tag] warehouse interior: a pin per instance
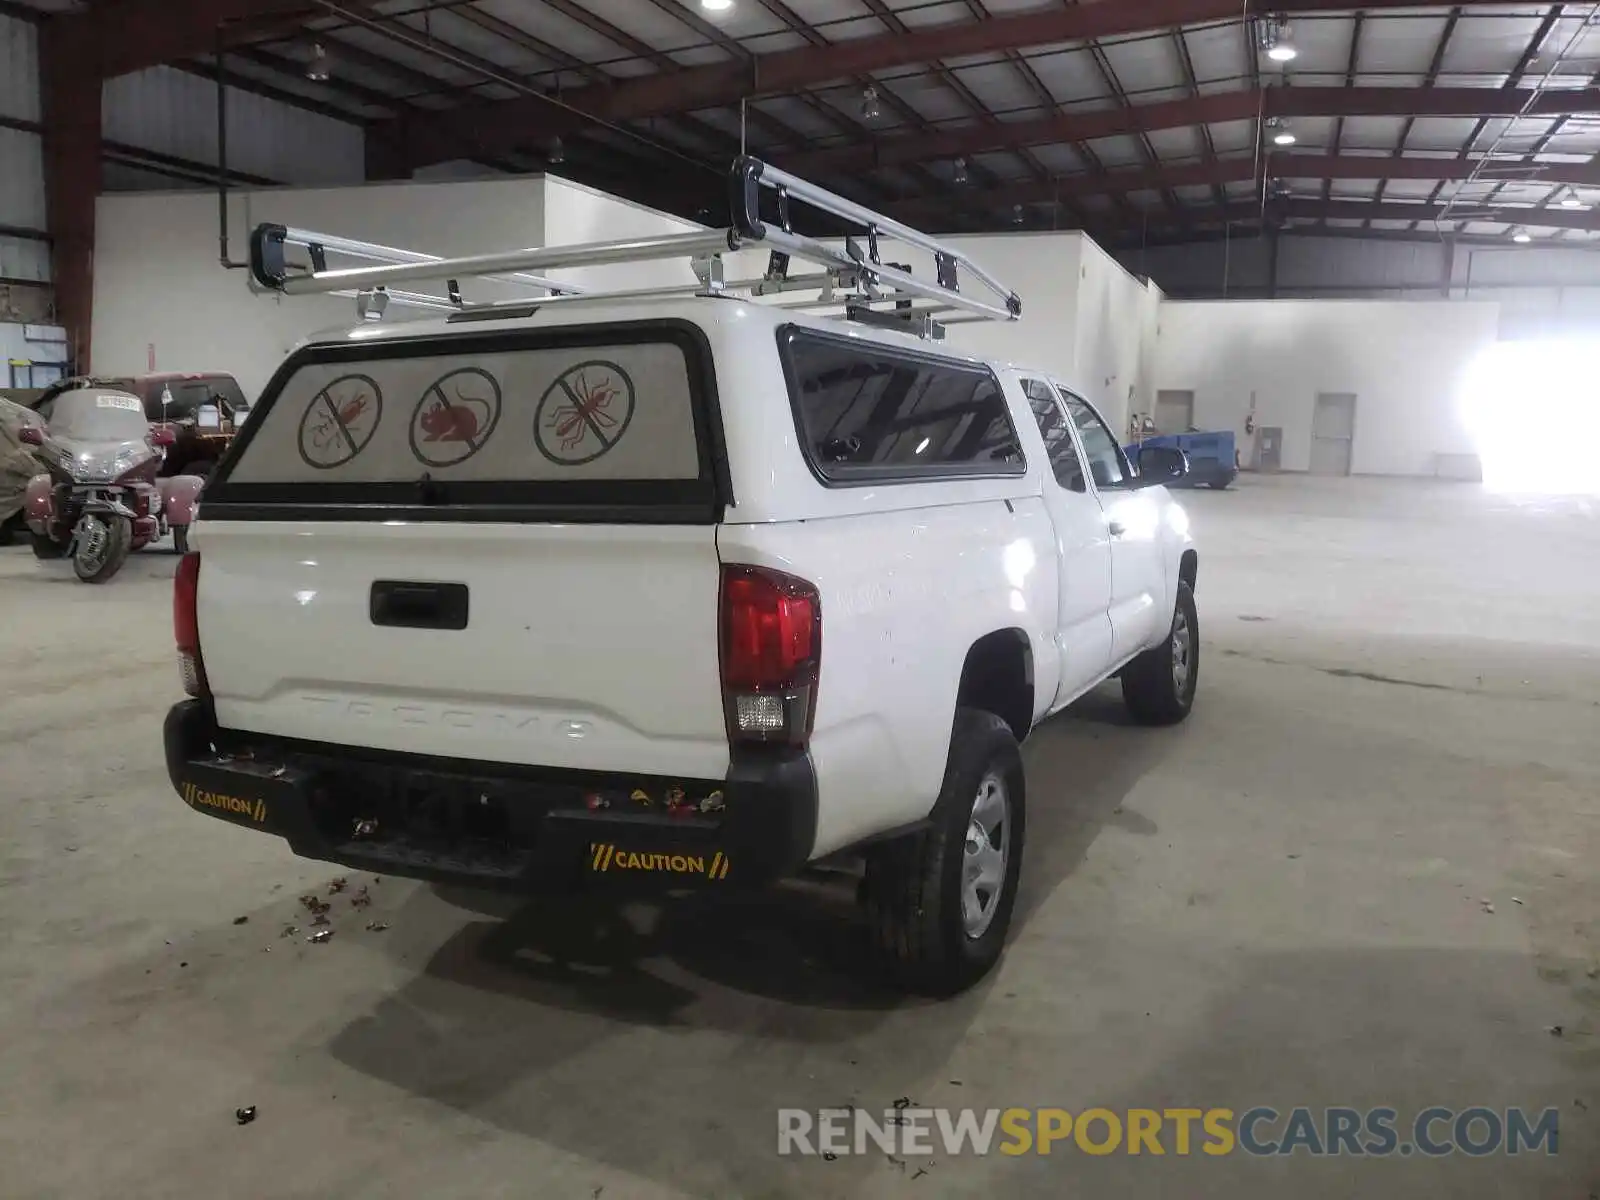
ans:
(1358, 246)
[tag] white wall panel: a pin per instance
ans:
(1405, 362)
(175, 113)
(165, 245)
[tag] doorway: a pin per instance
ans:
(1333, 431)
(1174, 412)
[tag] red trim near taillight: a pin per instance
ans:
(771, 651)
(186, 624)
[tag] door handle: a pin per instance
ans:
(1117, 528)
(408, 605)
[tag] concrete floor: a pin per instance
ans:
(1278, 903)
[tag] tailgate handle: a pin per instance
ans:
(419, 605)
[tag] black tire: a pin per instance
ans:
(120, 545)
(914, 885)
(10, 527)
(180, 538)
(46, 547)
(1154, 689)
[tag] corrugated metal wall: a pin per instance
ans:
(21, 158)
(1541, 290)
(175, 113)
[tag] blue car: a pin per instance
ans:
(1212, 462)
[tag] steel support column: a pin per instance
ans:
(70, 95)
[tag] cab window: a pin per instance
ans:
(1052, 422)
(1107, 465)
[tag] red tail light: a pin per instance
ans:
(186, 624)
(771, 632)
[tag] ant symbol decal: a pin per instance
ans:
(584, 413)
(340, 421)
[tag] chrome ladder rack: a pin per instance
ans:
(854, 277)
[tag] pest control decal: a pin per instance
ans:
(340, 421)
(583, 413)
(455, 417)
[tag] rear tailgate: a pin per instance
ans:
(497, 548)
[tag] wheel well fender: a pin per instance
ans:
(997, 677)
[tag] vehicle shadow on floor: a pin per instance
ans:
(1082, 765)
(508, 1007)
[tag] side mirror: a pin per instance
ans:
(1161, 464)
(161, 437)
(30, 435)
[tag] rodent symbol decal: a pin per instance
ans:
(455, 417)
(584, 413)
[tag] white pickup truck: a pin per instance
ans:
(670, 594)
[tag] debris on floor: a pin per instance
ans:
(289, 931)
(245, 1115)
(361, 899)
(335, 886)
(314, 904)
(1516, 900)
(377, 926)
(320, 936)
(1488, 905)
(1555, 1030)
(240, 920)
(366, 828)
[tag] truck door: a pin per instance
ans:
(1083, 551)
(1132, 519)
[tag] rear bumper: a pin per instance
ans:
(492, 825)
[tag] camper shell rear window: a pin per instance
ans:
(611, 422)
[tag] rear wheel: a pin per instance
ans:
(939, 903)
(47, 547)
(180, 538)
(1158, 686)
(104, 544)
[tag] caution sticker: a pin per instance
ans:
(605, 856)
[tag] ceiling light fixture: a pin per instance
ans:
(555, 154)
(1272, 35)
(1521, 236)
(1016, 214)
(869, 104)
(716, 5)
(961, 170)
(1282, 135)
(320, 68)
(1571, 199)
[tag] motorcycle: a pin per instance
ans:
(100, 498)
